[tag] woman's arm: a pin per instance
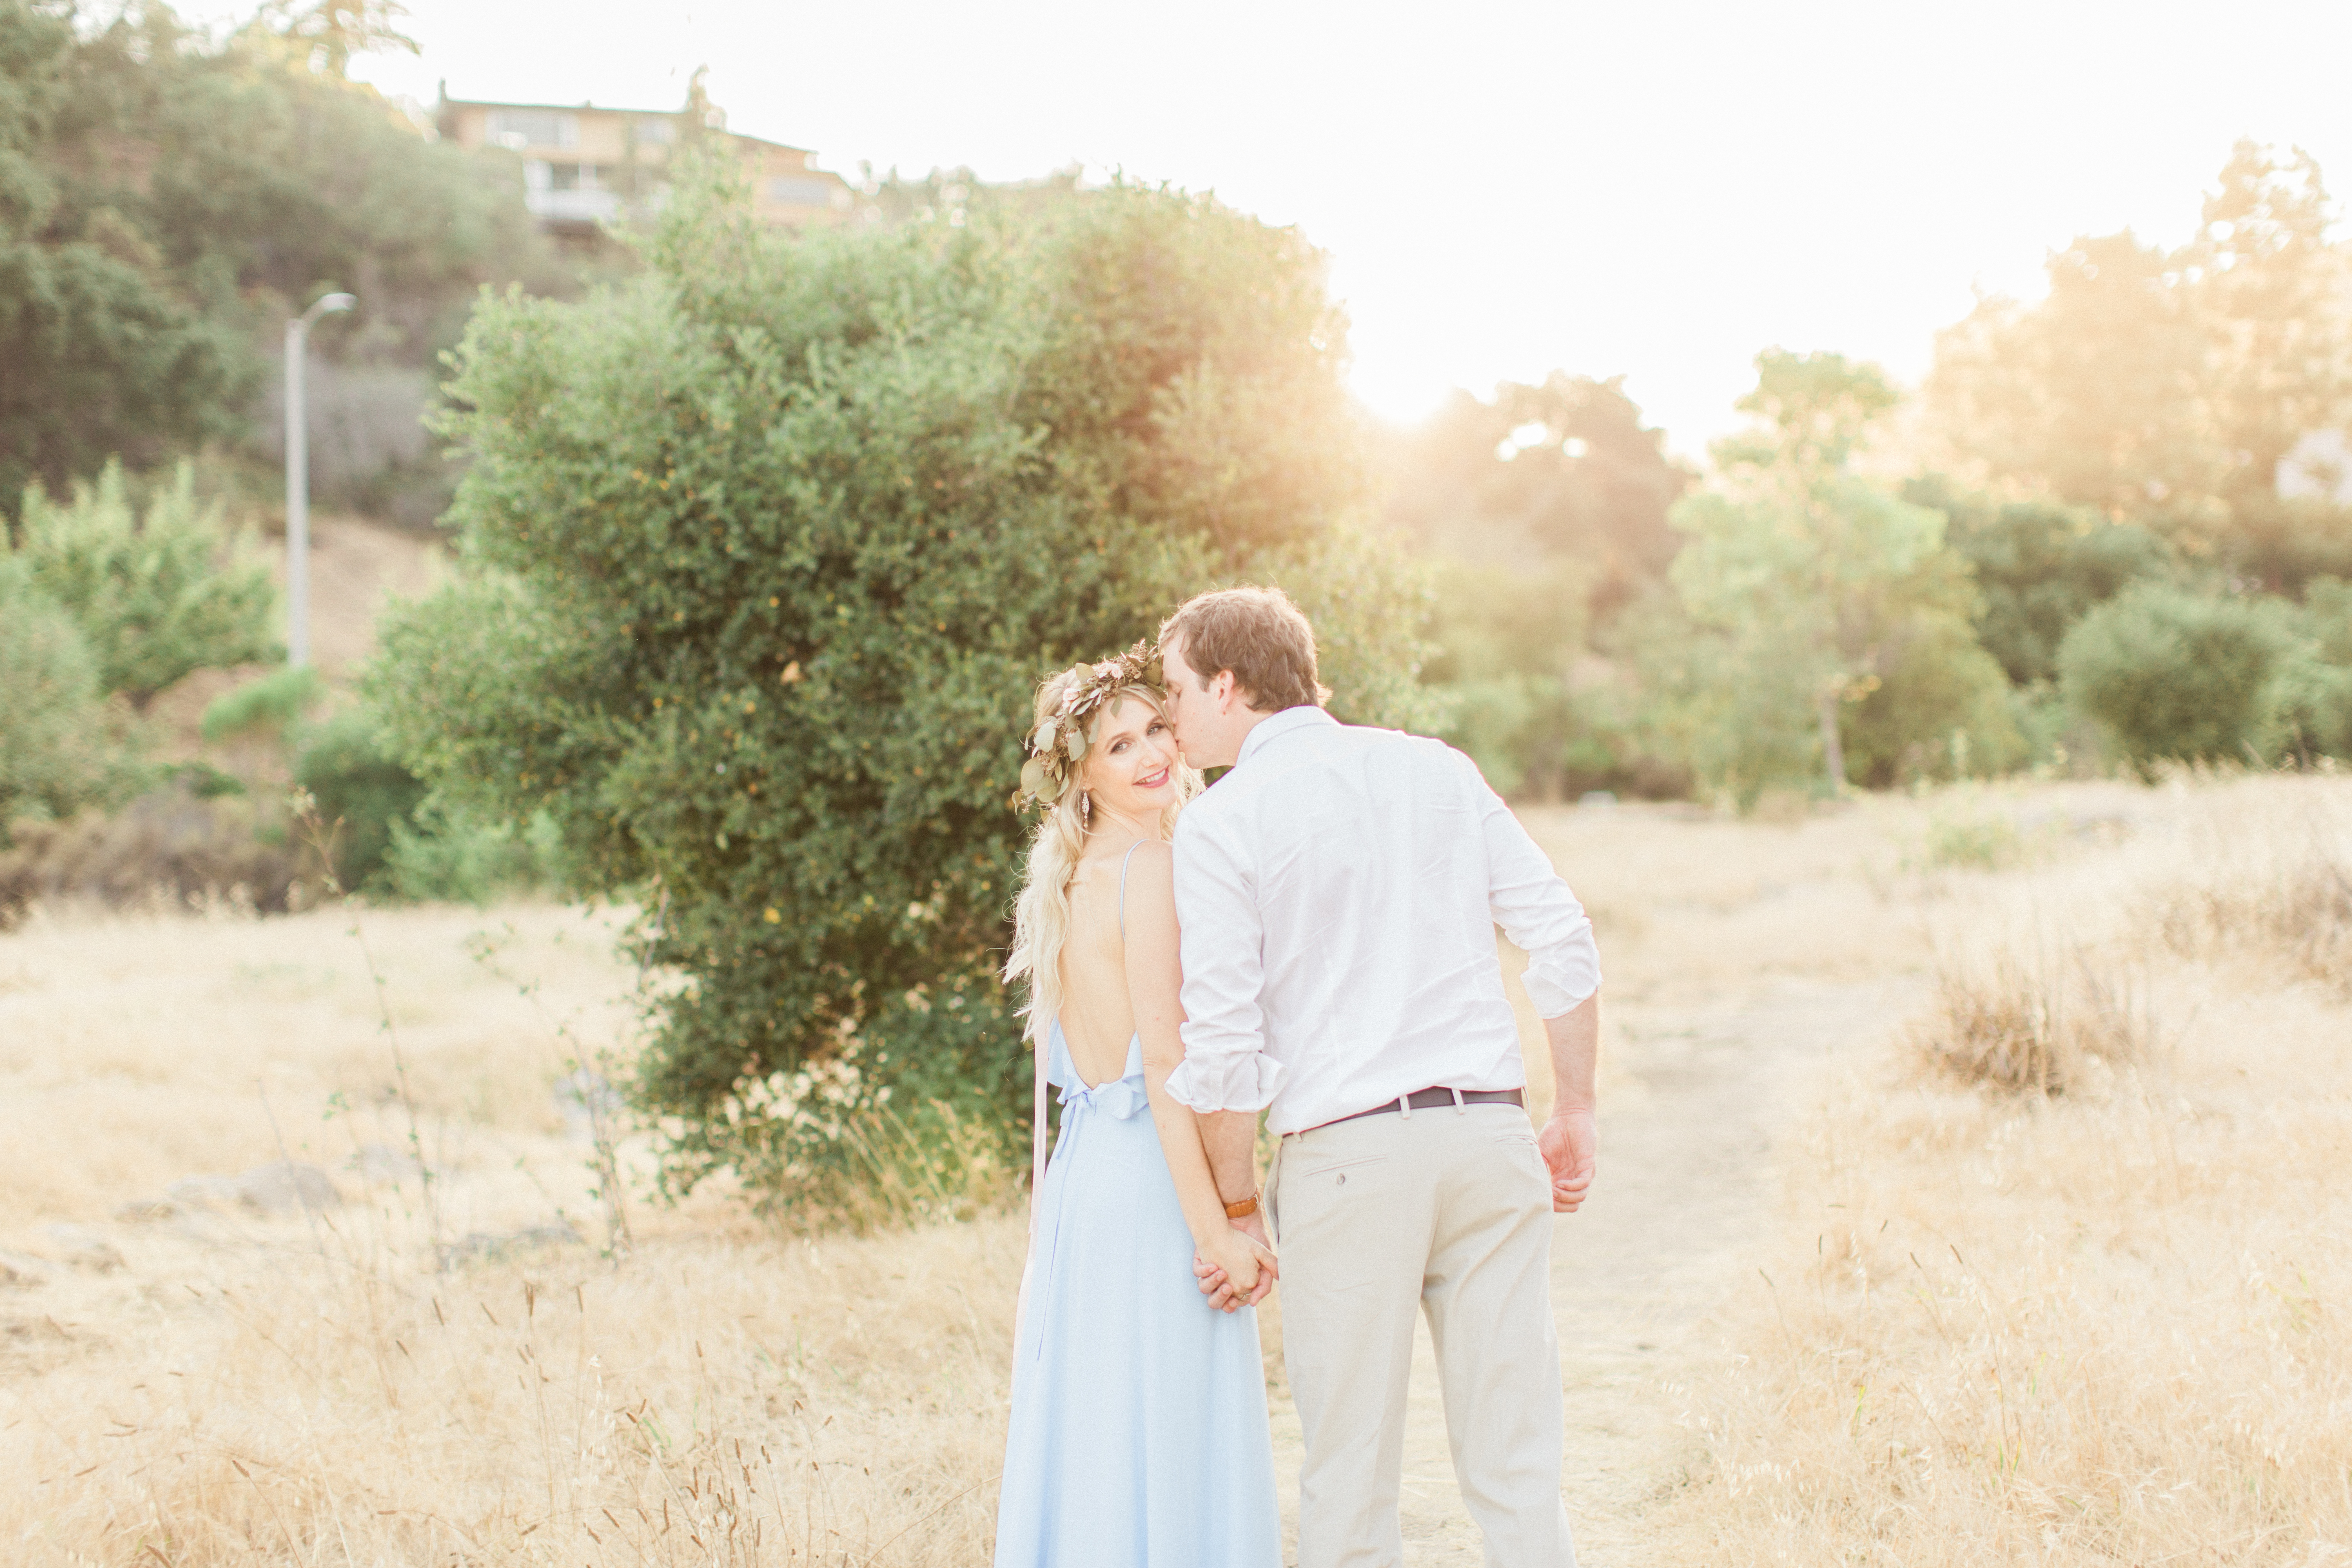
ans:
(1154, 980)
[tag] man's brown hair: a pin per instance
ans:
(1260, 636)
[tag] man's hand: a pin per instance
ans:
(1219, 1290)
(1571, 1142)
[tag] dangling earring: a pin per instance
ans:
(1086, 811)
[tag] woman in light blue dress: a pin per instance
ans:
(1139, 1434)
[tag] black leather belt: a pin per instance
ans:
(1431, 1098)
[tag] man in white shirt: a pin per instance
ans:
(1339, 891)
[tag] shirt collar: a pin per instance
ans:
(1302, 717)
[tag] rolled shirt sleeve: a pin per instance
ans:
(1535, 909)
(1226, 1066)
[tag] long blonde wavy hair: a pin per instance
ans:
(1041, 916)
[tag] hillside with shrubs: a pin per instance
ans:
(756, 541)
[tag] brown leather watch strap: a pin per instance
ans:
(1242, 1209)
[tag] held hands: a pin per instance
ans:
(1238, 1269)
(1570, 1144)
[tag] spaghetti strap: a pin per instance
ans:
(1122, 887)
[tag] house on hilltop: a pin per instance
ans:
(583, 165)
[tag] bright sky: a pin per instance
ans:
(1657, 188)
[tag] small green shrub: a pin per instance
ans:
(1505, 639)
(2174, 676)
(363, 791)
(1983, 844)
(200, 779)
(156, 597)
(1940, 710)
(444, 854)
(266, 708)
(56, 754)
(2315, 683)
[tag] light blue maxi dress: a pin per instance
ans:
(1139, 1436)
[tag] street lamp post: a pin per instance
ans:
(298, 480)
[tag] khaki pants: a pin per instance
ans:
(1448, 1211)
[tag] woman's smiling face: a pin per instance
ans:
(1130, 765)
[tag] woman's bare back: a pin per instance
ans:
(1098, 1013)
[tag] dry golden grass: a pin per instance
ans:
(2121, 1338)
(137, 1050)
(2280, 885)
(724, 1399)
(2103, 1328)
(2044, 1023)
(247, 1390)
(304, 1391)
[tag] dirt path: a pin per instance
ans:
(1687, 1179)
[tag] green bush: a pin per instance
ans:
(2174, 676)
(2039, 567)
(441, 855)
(1962, 834)
(156, 596)
(1940, 710)
(1511, 726)
(389, 839)
(56, 753)
(266, 708)
(762, 553)
(1741, 718)
(1504, 641)
(361, 790)
(2315, 683)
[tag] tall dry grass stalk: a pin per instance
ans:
(2097, 1329)
(2286, 894)
(2047, 1021)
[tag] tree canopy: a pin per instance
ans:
(166, 201)
(1563, 470)
(2039, 567)
(1829, 614)
(764, 553)
(1544, 510)
(2166, 386)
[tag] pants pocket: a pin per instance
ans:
(1524, 1152)
(1334, 1172)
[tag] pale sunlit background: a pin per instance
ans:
(1657, 190)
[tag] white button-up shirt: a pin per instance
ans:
(1339, 891)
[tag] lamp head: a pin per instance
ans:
(326, 305)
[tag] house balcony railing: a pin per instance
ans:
(574, 205)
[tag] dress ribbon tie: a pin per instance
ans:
(1121, 1100)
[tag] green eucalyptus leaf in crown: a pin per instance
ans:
(1058, 744)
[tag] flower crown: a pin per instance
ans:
(1059, 742)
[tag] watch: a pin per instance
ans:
(1242, 1209)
